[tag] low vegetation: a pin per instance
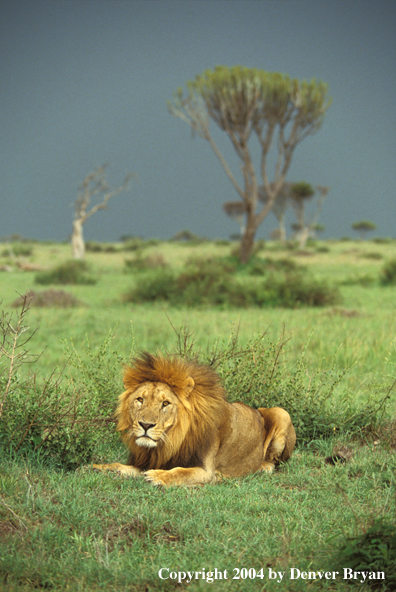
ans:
(388, 276)
(48, 298)
(226, 283)
(71, 272)
(331, 507)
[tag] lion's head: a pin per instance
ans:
(169, 411)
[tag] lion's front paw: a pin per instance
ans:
(157, 477)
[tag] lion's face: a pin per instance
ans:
(153, 410)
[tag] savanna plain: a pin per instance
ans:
(330, 360)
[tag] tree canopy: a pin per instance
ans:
(280, 111)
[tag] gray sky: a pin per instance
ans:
(84, 82)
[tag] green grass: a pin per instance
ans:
(79, 530)
(90, 531)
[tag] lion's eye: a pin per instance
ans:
(139, 399)
(165, 404)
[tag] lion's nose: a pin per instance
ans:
(146, 426)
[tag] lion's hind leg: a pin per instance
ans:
(127, 470)
(280, 437)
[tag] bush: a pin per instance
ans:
(18, 250)
(153, 261)
(364, 280)
(372, 255)
(318, 405)
(64, 423)
(186, 236)
(95, 247)
(71, 272)
(215, 282)
(388, 274)
(383, 240)
(259, 376)
(293, 289)
(373, 551)
(133, 244)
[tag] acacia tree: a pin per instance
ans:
(245, 102)
(236, 211)
(93, 185)
(363, 227)
(279, 207)
(299, 194)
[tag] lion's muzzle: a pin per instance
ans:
(145, 437)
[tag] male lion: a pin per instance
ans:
(180, 429)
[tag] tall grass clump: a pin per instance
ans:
(64, 420)
(71, 272)
(221, 283)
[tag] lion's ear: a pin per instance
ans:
(188, 387)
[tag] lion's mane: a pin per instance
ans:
(199, 411)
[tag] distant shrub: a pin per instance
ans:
(383, 240)
(154, 286)
(96, 247)
(186, 236)
(49, 298)
(364, 280)
(18, 250)
(294, 288)
(133, 244)
(373, 255)
(388, 273)
(153, 261)
(71, 272)
(216, 282)
(210, 283)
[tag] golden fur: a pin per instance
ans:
(181, 430)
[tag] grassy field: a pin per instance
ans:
(78, 530)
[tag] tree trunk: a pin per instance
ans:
(78, 245)
(247, 242)
(282, 229)
(303, 237)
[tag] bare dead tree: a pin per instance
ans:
(94, 184)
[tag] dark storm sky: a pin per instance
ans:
(84, 82)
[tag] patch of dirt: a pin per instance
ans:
(343, 312)
(138, 528)
(49, 298)
(303, 253)
(7, 529)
